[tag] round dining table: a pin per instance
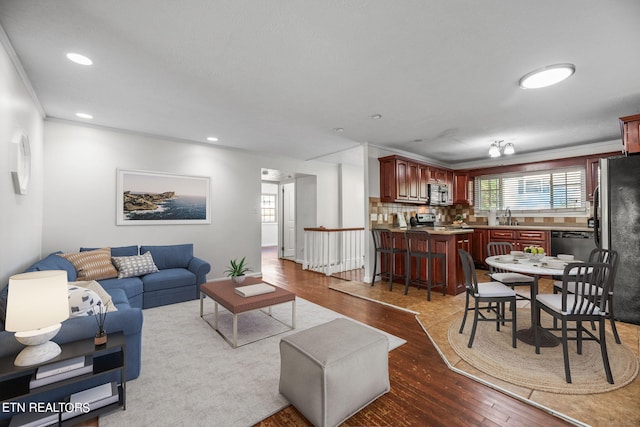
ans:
(535, 268)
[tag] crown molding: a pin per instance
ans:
(13, 56)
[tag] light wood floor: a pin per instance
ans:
(424, 392)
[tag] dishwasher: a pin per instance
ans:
(577, 243)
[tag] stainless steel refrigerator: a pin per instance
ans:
(617, 226)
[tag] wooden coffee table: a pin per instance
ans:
(223, 293)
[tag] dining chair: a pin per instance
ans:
(486, 292)
(385, 246)
(589, 280)
(419, 247)
(506, 277)
(607, 256)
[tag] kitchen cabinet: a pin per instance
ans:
(522, 238)
(630, 129)
(403, 180)
(423, 185)
(460, 188)
(479, 246)
(591, 169)
(442, 243)
(593, 163)
(438, 175)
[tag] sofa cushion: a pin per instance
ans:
(98, 289)
(118, 251)
(119, 299)
(92, 265)
(83, 302)
(55, 262)
(131, 266)
(132, 286)
(168, 278)
(170, 256)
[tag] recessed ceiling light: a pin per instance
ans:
(212, 139)
(547, 76)
(84, 115)
(338, 129)
(79, 59)
(376, 116)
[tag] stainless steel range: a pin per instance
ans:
(423, 220)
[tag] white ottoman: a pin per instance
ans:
(331, 371)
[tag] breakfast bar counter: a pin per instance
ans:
(444, 240)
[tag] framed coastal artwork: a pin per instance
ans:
(152, 198)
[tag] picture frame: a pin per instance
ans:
(157, 198)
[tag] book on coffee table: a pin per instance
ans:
(253, 290)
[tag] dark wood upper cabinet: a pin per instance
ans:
(404, 180)
(630, 128)
(593, 163)
(461, 188)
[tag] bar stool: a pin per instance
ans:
(419, 247)
(384, 244)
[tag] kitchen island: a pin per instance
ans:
(444, 240)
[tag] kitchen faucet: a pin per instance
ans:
(507, 214)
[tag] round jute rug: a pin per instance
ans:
(492, 353)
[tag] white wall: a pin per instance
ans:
(352, 203)
(80, 192)
(270, 230)
(20, 215)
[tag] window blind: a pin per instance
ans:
(557, 190)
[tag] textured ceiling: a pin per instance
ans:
(278, 76)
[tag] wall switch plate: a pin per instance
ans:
(374, 217)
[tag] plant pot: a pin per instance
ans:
(100, 338)
(238, 279)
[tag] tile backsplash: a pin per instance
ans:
(386, 215)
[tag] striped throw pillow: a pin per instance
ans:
(92, 265)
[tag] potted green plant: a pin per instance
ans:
(236, 270)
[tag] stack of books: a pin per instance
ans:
(34, 419)
(253, 290)
(62, 370)
(95, 397)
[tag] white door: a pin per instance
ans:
(289, 220)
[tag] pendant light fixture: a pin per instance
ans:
(497, 149)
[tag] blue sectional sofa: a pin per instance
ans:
(177, 279)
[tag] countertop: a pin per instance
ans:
(532, 227)
(447, 231)
(438, 230)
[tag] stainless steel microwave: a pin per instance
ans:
(438, 194)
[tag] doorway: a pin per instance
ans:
(289, 220)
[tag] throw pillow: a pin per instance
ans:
(139, 265)
(98, 289)
(92, 265)
(83, 302)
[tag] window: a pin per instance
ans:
(552, 191)
(268, 207)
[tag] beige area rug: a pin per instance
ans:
(620, 407)
(493, 354)
(192, 377)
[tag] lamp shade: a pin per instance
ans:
(494, 150)
(37, 300)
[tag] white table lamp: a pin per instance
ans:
(36, 304)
